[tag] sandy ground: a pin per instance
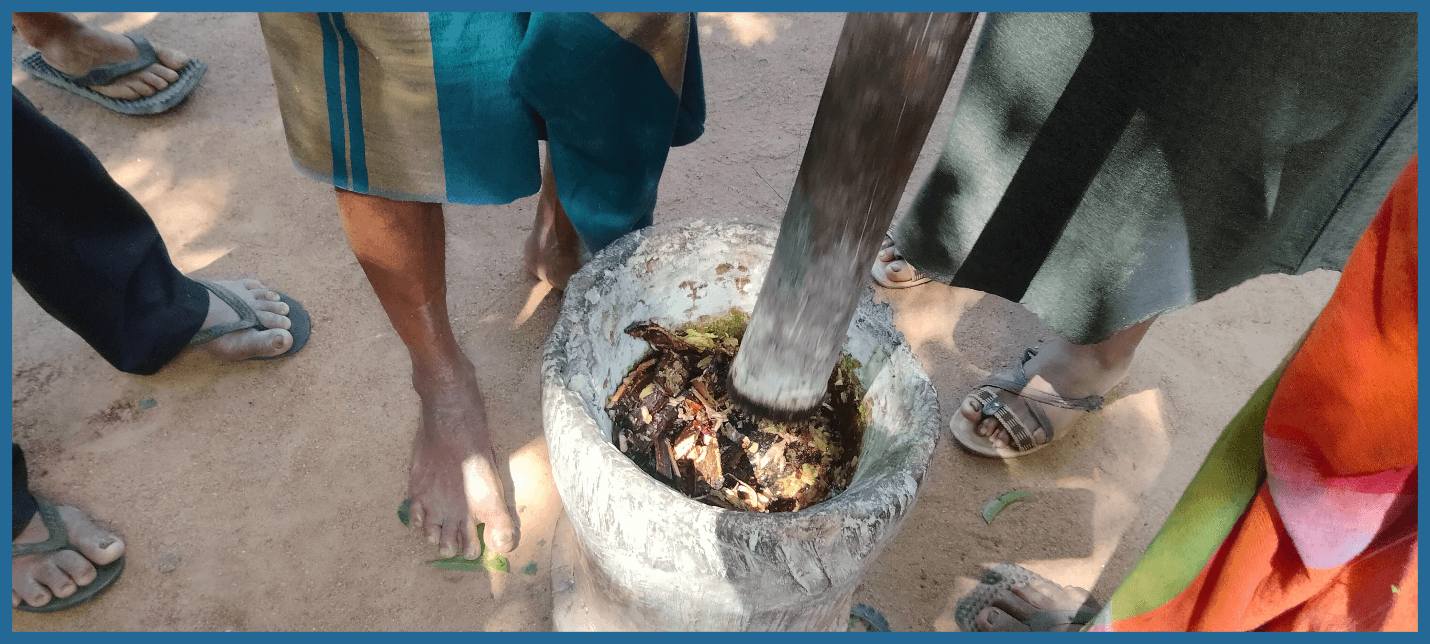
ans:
(273, 486)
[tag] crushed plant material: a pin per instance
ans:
(672, 416)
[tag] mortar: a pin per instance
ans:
(634, 554)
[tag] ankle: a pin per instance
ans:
(435, 376)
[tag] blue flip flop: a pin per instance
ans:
(104, 576)
(102, 75)
(301, 326)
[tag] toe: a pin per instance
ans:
(997, 435)
(163, 72)
(501, 536)
(993, 620)
(274, 341)
(419, 514)
(987, 427)
(171, 58)
(1012, 604)
(273, 320)
(971, 409)
(273, 306)
(95, 543)
(30, 591)
(888, 254)
(153, 82)
(75, 566)
(447, 546)
(50, 576)
(1034, 599)
(121, 90)
(471, 543)
(434, 531)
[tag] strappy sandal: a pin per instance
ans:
(880, 269)
(1007, 576)
(104, 574)
(1024, 440)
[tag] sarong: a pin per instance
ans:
(448, 107)
(1103, 169)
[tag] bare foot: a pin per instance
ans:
(70, 46)
(454, 483)
(248, 343)
(1063, 369)
(1013, 609)
(891, 271)
(37, 578)
(553, 250)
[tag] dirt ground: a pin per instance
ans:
(262, 496)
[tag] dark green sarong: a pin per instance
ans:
(1102, 169)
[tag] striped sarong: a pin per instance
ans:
(448, 107)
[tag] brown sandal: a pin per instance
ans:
(1024, 439)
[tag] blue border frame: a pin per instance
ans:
(798, 5)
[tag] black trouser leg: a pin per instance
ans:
(23, 506)
(90, 254)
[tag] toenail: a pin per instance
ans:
(106, 543)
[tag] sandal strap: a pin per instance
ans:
(59, 536)
(1023, 438)
(990, 405)
(247, 318)
(1019, 387)
(106, 74)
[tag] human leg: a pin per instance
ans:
(553, 249)
(1061, 368)
(89, 254)
(36, 579)
(72, 47)
(454, 484)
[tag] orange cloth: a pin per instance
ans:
(1342, 425)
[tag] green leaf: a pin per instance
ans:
(404, 512)
(1393, 589)
(147, 403)
(993, 507)
(529, 569)
(495, 563)
(488, 560)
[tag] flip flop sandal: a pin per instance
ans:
(880, 271)
(1006, 576)
(161, 101)
(104, 575)
(1023, 438)
(301, 325)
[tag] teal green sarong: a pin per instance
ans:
(448, 107)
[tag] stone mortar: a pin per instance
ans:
(645, 556)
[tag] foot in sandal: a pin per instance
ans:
(892, 271)
(1013, 599)
(1024, 409)
(61, 559)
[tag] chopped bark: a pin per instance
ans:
(673, 417)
